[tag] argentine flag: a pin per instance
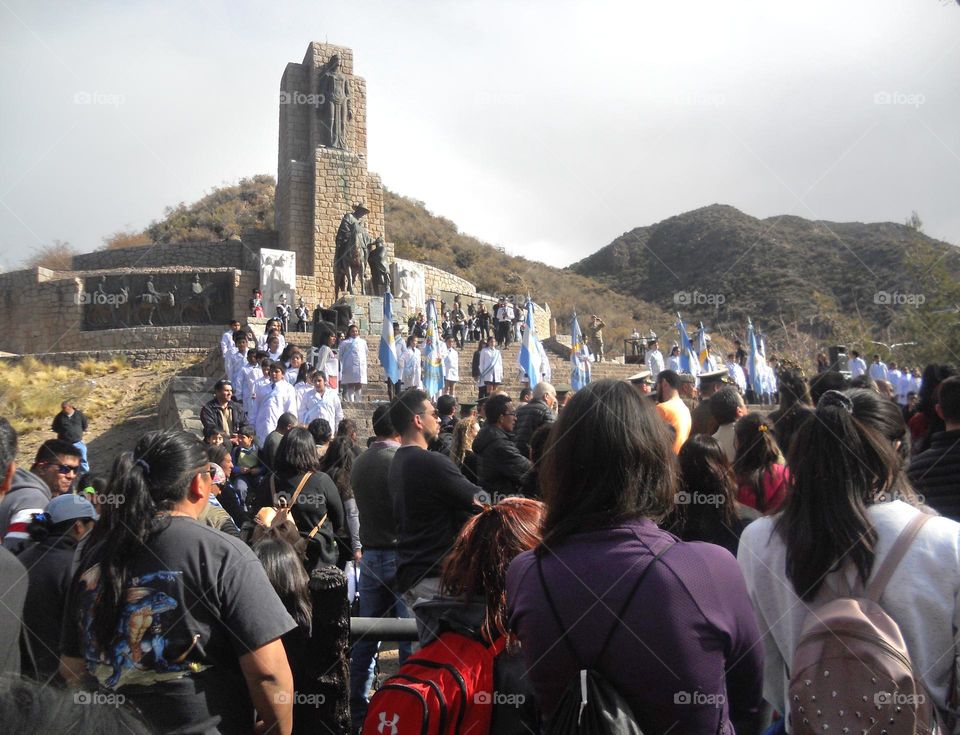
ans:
(688, 357)
(388, 343)
(579, 357)
(755, 362)
(530, 349)
(433, 360)
(703, 353)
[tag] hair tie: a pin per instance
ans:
(836, 399)
(143, 464)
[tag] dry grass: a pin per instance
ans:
(31, 392)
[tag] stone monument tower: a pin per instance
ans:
(322, 169)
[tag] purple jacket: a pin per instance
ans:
(687, 656)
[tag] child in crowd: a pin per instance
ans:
(212, 436)
(246, 461)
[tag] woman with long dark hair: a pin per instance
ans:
(337, 462)
(200, 650)
(317, 509)
(707, 507)
(837, 526)
(761, 474)
(610, 591)
(290, 581)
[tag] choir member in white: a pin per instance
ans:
(410, 365)
(491, 366)
(451, 368)
(321, 403)
(353, 364)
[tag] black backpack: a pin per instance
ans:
(591, 705)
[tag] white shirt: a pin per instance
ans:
(227, 345)
(234, 363)
(262, 342)
(316, 406)
(857, 366)
(921, 596)
(491, 365)
(291, 375)
(451, 366)
(654, 363)
(878, 371)
(277, 399)
(673, 363)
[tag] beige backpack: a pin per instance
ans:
(852, 672)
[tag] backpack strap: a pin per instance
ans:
(623, 608)
(879, 582)
(629, 599)
(296, 493)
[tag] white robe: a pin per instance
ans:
(227, 345)
(673, 363)
(353, 360)
(410, 368)
(857, 366)
(274, 400)
(314, 406)
(491, 365)
(451, 366)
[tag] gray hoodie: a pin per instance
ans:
(28, 494)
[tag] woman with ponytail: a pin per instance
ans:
(848, 501)
(177, 617)
(758, 465)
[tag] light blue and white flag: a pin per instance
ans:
(388, 342)
(579, 357)
(530, 349)
(755, 362)
(688, 356)
(432, 357)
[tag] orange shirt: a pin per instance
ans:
(676, 413)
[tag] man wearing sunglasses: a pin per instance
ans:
(53, 471)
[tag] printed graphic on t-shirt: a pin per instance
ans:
(143, 651)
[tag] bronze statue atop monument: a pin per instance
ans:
(350, 257)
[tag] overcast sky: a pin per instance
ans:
(549, 128)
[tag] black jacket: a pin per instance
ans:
(501, 466)
(935, 473)
(70, 428)
(49, 564)
(210, 415)
(530, 417)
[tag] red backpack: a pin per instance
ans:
(446, 688)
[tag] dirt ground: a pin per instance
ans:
(121, 407)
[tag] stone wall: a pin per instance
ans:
(226, 253)
(41, 311)
(135, 357)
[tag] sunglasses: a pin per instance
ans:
(64, 469)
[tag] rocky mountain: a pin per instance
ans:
(828, 280)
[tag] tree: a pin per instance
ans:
(913, 221)
(125, 239)
(57, 256)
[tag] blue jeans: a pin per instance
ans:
(84, 466)
(378, 571)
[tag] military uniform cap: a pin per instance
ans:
(644, 376)
(715, 376)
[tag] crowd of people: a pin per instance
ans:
(652, 540)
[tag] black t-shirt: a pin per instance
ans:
(431, 502)
(197, 601)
